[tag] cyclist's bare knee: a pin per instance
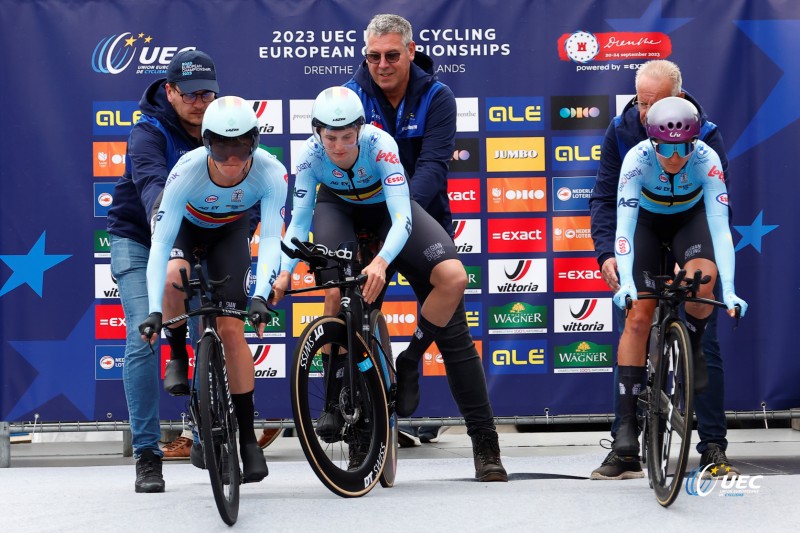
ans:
(450, 276)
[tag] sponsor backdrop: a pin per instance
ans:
(537, 83)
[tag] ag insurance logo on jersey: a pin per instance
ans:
(109, 322)
(515, 276)
(582, 315)
(467, 235)
(269, 360)
(512, 235)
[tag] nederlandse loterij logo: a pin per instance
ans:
(115, 53)
(702, 482)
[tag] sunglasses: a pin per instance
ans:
(375, 58)
(237, 147)
(667, 149)
(190, 98)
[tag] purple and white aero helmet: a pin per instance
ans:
(673, 120)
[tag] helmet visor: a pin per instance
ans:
(224, 148)
(667, 149)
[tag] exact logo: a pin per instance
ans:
(464, 195)
(514, 114)
(517, 235)
(577, 274)
(109, 322)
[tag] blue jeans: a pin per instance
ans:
(141, 371)
(709, 407)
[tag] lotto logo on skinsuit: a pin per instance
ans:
(577, 153)
(270, 116)
(114, 118)
(572, 234)
(572, 194)
(109, 322)
(474, 280)
(467, 236)
(108, 158)
(103, 198)
(109, 362)
(401, 318)
(269, 360)
(164, 356)
(582, 357)
(518, 357)
(510, 235)
(582, 315)
(514, 114)
(105, 286)
(517, 318)
(509, 195)
(514, 276)
(515, 154)
(275, 326)
(389, 157)
(433, 363)
(466, 156)
(577, 274)
(303, 314)
(579, 112)
(464, 195)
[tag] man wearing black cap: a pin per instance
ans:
(172, 114)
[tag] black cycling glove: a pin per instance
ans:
(151, 326)
(258, 312)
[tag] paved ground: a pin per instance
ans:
(88, 486)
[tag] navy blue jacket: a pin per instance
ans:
(424, 126)
(155, 144)
(625, 132)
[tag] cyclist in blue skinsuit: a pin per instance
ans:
(205, 205)
(670, 191)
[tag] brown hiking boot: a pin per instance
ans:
(486, 452)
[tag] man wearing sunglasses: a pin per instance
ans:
(172, 113)
(655, 80)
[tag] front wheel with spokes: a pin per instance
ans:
(671, 413)
(352, 464)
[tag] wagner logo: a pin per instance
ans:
(401, 318)
(303, 314)
(572, 234)
(582, 357)
(102, 244)
(515, 154)
(270, 116)
(576, 153)
(518, 357)
(275, 326)
(467, 236)
(579, 315)
(474, 280)
(579, 112)
(572, 194)
(108, 158)
(115, 118)
(508, 195)
(109, 322)
(514, 276)
(577, 274)
(514, 114)
(115, 53)
(466, 156)
(518, 318)
(464, 195)
(509, 235)
(269, 360)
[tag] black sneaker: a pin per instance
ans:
(614, 467)
(176, 377)
(720, 466)
(486, 454)
(329, 424)
(253, 463)
(407, 386)
(148, 473)
(626, 441)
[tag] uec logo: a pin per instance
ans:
(114, 54)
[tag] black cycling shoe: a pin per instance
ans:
(176, 377)
(626, 441)
(407, 386)
(255, 466)
(198, 460)
(329, 425)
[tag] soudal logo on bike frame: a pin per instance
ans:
(510, 235)
(467, 235)
(109, 322)
(104, 284)
(577, 274)
(514, 276)
(464, 195)
(401, 318)
(389, 157)
(270, 116)
(582, 315)
(269, 360)
(510, 195)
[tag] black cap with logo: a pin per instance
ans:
(193, 71)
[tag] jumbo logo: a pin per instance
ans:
(114, 118)
(303, 314)
(514, 114)
(115, 53)
(518, 357)
(515, 154)
(576, 153)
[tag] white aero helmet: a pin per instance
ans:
(337, 108)
(230, 127)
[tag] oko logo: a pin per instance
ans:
(516, 195)
(115, 53)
